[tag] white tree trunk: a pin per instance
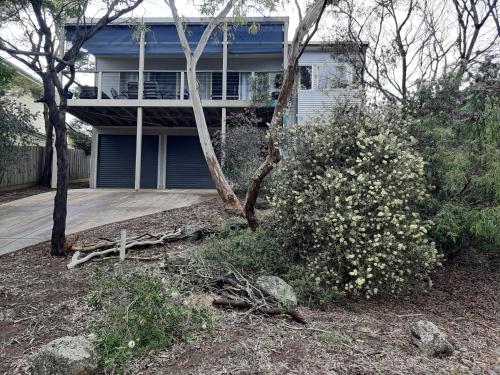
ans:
(225, 191)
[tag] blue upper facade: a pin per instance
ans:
(263, 37)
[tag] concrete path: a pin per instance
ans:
(28, 221)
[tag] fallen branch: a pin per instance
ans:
(107, 243)
(294, 314)
(97, 246)
(76, 260)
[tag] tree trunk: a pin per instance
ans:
(47, 162)
(300, 40)
(57, 117)
(221, 184)
(273, 153)
(60, 199)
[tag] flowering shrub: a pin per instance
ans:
(346, 198)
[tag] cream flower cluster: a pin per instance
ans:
(346, 199)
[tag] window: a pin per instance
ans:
(306, 77)
(125, 78)
(233, 84)
(275, 82)
(332, 76)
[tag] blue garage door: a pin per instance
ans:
(116, 161)
(186, 164)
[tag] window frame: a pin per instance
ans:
(348, 76)
(311, 74)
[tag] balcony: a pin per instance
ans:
(170, 88)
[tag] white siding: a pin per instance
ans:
(312, 102)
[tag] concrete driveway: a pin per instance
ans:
(28, 221)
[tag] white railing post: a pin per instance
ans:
(224, 91)
(141, 66)
(181, 94)
(285, 45)
(99, 85)
(224, 63)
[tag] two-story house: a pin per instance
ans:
(137, 99)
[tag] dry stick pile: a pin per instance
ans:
(113, 247)
(225, 280)
(222, 278)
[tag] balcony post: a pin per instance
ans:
(181, 94)
(224, 62)
(99, 85)
(138, 150)
(285, 45)
(224, 92)
(141, 66)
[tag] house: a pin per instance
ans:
(137, 100)
(25, 89)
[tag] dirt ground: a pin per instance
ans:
(41, 300)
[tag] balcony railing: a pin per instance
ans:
(172, 85)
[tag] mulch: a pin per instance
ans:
(41, 300)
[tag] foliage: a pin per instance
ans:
(79, 134)
(346, 203)
(244, 148)
(459, 136)
(252, 253)
(7, 74)
(16, 128)
(139, 314)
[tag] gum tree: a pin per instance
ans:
(39, 48)
(308, 25)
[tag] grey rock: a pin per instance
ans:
(194, 232)
(278, 289)
(430, 339)
(262, 204)
(69, 355)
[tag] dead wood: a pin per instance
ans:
(100, 245)
(272, 311)
(151, 240)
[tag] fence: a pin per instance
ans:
(27, 171)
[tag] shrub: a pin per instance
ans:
(459, 133)
(251, 253)
(346, 202)
(245, 148)
(138, 314)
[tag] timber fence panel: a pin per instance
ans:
(27, 169)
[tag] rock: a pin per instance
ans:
(278, 289)
(430, 339)
(262, 204)
(199, 301)
(194, 232)
(69, 355)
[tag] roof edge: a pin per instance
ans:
(168, 20)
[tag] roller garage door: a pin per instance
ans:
(116, 161)
(186, 164)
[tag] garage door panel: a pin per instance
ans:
(186, 164)
(149, 162)
(116, 161)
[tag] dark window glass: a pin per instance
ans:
(306, 77)
(216, 86)
(233, 85)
